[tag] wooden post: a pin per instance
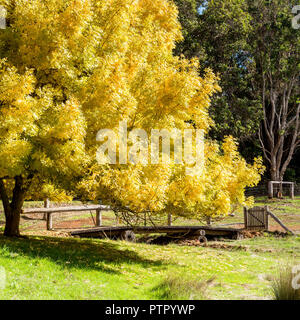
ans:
(246, 217)
(292, 190)
(208, 221)
(270, 189)
(98, 218)
(280, 222)
(49, 221)
(46, 205)
(118, 221)
(169, 219)
(267, 217)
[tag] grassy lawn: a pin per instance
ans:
(43, 267)
(62, 268)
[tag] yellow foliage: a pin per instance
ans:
(220, 190)
(72, 67)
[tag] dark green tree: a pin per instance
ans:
(252, 45)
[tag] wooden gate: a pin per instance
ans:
(256, 218)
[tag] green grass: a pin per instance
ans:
(175, 287)
(61, 268)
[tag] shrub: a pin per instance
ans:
(282, 288)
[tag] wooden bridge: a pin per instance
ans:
(128, 233)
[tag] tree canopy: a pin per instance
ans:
(72, 67)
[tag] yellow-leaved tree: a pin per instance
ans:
(220, 189)
(69, 68)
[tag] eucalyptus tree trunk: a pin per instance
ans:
(280, 130)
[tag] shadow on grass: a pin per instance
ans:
(77, 253)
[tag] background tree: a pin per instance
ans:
(189, 21)
(221, 47)
(256, 51)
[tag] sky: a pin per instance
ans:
(202, 8)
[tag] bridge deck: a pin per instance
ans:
(103, 232)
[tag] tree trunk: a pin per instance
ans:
(274, 173)
(13, 209)
(12, 223)
(208, 221)
(280, 128)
